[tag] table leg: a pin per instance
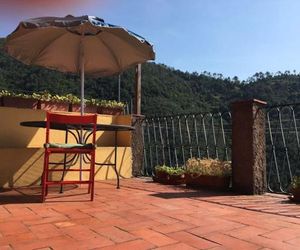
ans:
(115, 165)
(63, 174)
(65, 163)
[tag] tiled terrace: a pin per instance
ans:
(145, 215)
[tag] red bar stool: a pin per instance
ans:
(82, 148)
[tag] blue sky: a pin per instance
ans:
(231, 37)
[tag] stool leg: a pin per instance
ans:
(92, 176)
(47, 174)
(65, 162)
(63, 174)
(44, 176)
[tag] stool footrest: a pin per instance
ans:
(67, 182)
(66, 170)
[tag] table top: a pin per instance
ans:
(100, 127)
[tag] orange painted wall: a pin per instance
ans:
(21, 148)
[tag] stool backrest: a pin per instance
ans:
(66, 119)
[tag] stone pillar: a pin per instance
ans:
(137, 145)
(248, 147)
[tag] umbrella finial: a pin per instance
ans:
(69, 16)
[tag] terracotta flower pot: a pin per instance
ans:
(110, 110)
(19, 102)
(205, 181)
(54, 106)
(165, 178)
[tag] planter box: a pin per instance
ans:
(74, 107)
(19, 102)
(87, 109)
(164, 178)
(54, 106)
(161, 177)
(110, 111)
(96, 109)
(210, 182)
(176, 179)
(295, 195)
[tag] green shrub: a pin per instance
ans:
(162, 168)
(105, 103)
(169, 170)
(5, 93)
(44, 96)
(10, 93)
(110, 104)
(91, 101)
(25, 96)
(70, 98)
(295, 184)
(212, 167)
(59, 98)
(176, 171)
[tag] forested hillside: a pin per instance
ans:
(164, 90)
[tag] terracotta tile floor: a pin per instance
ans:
(146, 215)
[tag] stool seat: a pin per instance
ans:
(70, 145)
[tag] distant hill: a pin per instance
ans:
(164, 89)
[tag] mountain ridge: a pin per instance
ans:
(165, 90)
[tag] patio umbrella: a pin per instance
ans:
(85, 45)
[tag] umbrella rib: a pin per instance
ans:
(46, 46)
(111, 51)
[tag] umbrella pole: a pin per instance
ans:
(82, 86)
(82, 99)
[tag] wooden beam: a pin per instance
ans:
(138, 89)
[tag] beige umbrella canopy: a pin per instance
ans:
(85, 45)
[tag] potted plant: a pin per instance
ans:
(169, 175)
(176, 176)
(160, 174)
(53, 102)
(295, 189)
(110, 107)
(208, 173)
(10, 99)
